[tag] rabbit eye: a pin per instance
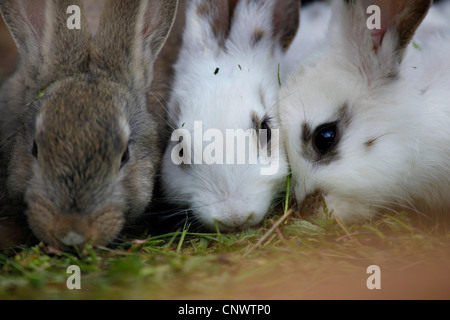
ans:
(181, 153)
(125, 157)
(265, 126)
(325, 138)
(34, 150)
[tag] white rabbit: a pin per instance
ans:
(366, 126)
(227, 78)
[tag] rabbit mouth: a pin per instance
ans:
(64, 231)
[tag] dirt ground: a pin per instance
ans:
(321, 277)
(415, 280)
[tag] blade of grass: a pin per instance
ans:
(183, 236)
(172, 240)
(287, 213)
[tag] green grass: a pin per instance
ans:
(260, 263)
(288, 257)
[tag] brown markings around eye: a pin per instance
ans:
(306, 133)
(307, 136)
(256, 121)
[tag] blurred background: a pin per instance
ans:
(8, 53)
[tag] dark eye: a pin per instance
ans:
(34, 150)
(325, 138)
(181, 154)
(265, 126)
(125, 157)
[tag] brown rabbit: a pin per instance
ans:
(81, 145)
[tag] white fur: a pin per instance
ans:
(408, 166)
(313, 27)
(437, 21)
(229, 196)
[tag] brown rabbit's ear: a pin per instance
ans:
(93, 11)
(40, 30)
(130, 36)
(25, 20)
(65, 50)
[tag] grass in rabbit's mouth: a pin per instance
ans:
(288, 257)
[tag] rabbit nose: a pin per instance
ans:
(72, 239)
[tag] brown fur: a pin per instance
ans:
(285, 20)
(402, 17)
(8, 52)
(257, 37)
(87, 93)
(311, 205)
(413, 14)
(219, 13)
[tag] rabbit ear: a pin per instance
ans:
(286, 20)
(272, 22)
(94, 9)
(379, 51)
(208, 24)
(40, 30)
(25, 20)
(399, 19)
(65, 50)
(130, 36)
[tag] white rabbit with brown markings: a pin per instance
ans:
(80, 141)
(366, 121)
(227, 78)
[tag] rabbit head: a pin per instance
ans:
(84, 152)
(360, 130)
(227, 80)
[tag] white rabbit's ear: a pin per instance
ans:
(379, 50)
(268, 22)
(286, 21)
(208, 24)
